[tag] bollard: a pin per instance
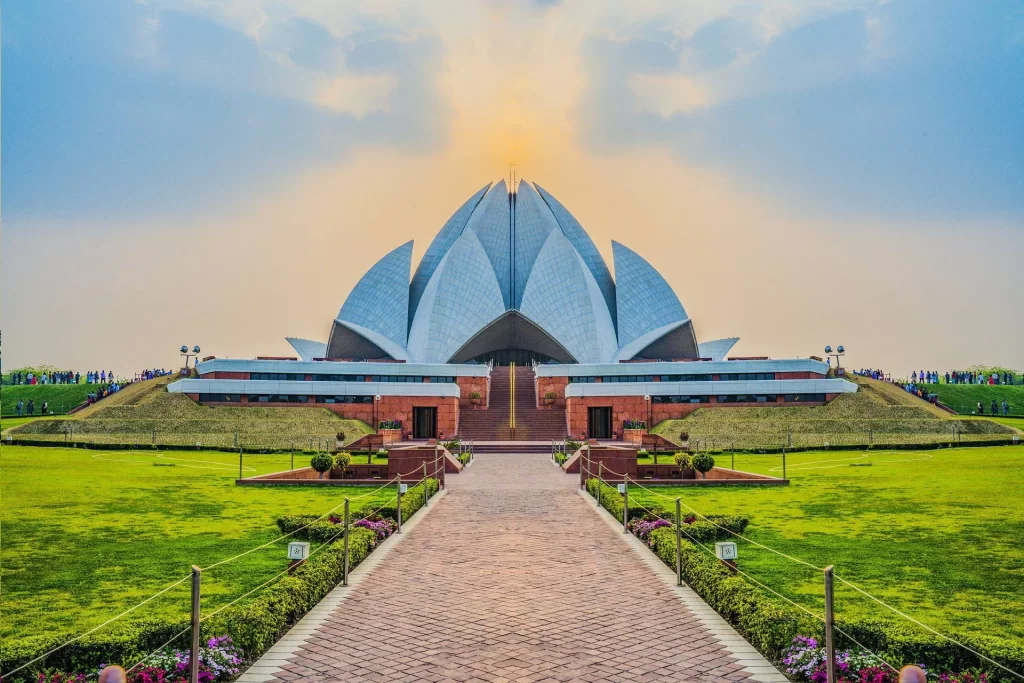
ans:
(625, 503)
(679, 546)
(426, 495)
(398, 510)
(194, 655)
(830, 645)
(344, 577)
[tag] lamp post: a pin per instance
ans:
(840, 351)
(194, 353)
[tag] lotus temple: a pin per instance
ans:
(512, 327)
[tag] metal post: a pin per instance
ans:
(600, 480)
(783, 463)
(435, 463)
(679, 546)
(625, 503)
(398, 510)
(239, 463)
(830, 645)
(194, 655)
(426, 498)
(154, 437)
(293, 455)
(344, 577)
(734, 456)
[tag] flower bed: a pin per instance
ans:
(774, 627)
(252, 626)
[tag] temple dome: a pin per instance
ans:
(512, 275)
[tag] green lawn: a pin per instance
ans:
(7, 422)
(61, 397)
(935, 533)
(964, 398)
(87, 534)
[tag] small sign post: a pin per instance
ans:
(725, 551)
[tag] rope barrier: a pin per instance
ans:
(97, 628)
(173, 638)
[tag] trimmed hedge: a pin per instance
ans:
(325, 529)
(770, 625)
(701, 529)
(253, 625)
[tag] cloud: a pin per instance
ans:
(894, 110)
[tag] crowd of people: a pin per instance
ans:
(150, 374)
(61, 377)
(950, 377)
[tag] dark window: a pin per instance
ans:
(805, 398)
(337, 378)
(344, 399)
(219, 398)
(746, 376)
(277, 376)
(679, 399)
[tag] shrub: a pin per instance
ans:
(684, 437)
(572, 446)
(475, 395)
(550, 395)
(703, 463)
(340, 436)
(321, 462)
(682, 460)
(341, 460)
(634, 424)
(389, 424)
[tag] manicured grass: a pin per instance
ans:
(149, 414)
(61, 397)
(87, 534)
(8, 422)
(964, 398)
(934, 533)
(878, 413)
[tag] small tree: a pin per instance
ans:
(682, 460)
(703, 463)
(341, 461)
(684, 437)
(340, 436)
(321, 462)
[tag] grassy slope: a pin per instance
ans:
(964, 397)
(945, 549)
(133, 414)
(61, 397)
(88, 534)
(890, 414)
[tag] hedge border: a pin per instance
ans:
(770, 625)
(253, 625)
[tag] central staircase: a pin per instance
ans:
(539, 425)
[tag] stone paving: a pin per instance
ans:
(514, 576)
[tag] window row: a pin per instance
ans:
(742, 398)
(281, 398)
(732, 377)
(290, 377)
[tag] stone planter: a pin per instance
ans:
(391, 436)
(475, 401)
(549, 401)
(634, 436)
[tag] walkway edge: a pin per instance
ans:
(271, 662)
(752, 661)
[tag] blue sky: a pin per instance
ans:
(187, 146)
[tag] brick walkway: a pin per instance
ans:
(514, 577)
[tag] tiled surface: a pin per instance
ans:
(515, 576)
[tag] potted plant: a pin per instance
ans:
(703, 463)
(550, 397)
(391, 430)
(474, 397)
(633, 431)
(322, 463)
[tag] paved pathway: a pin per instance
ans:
(514, 576)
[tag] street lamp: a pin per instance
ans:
(190, 354)
(840, 351)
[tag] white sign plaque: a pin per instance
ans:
(725, 550)
(298, 550)
(403, 488)
(622, 488)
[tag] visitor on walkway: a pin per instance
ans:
(20, 407)
(46, 407)
(995, 408)
(31, 407)
(981, 408)
(1006, 407)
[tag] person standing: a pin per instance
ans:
(995, 408)
(981, 408)
(21, 406)
(31, 407)
(1006, 407)
(46, 407)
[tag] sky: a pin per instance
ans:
(221, 173)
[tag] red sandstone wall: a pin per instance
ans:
(556, 384)
(468, 385)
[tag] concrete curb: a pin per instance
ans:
(272, 661)
(752, 661)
